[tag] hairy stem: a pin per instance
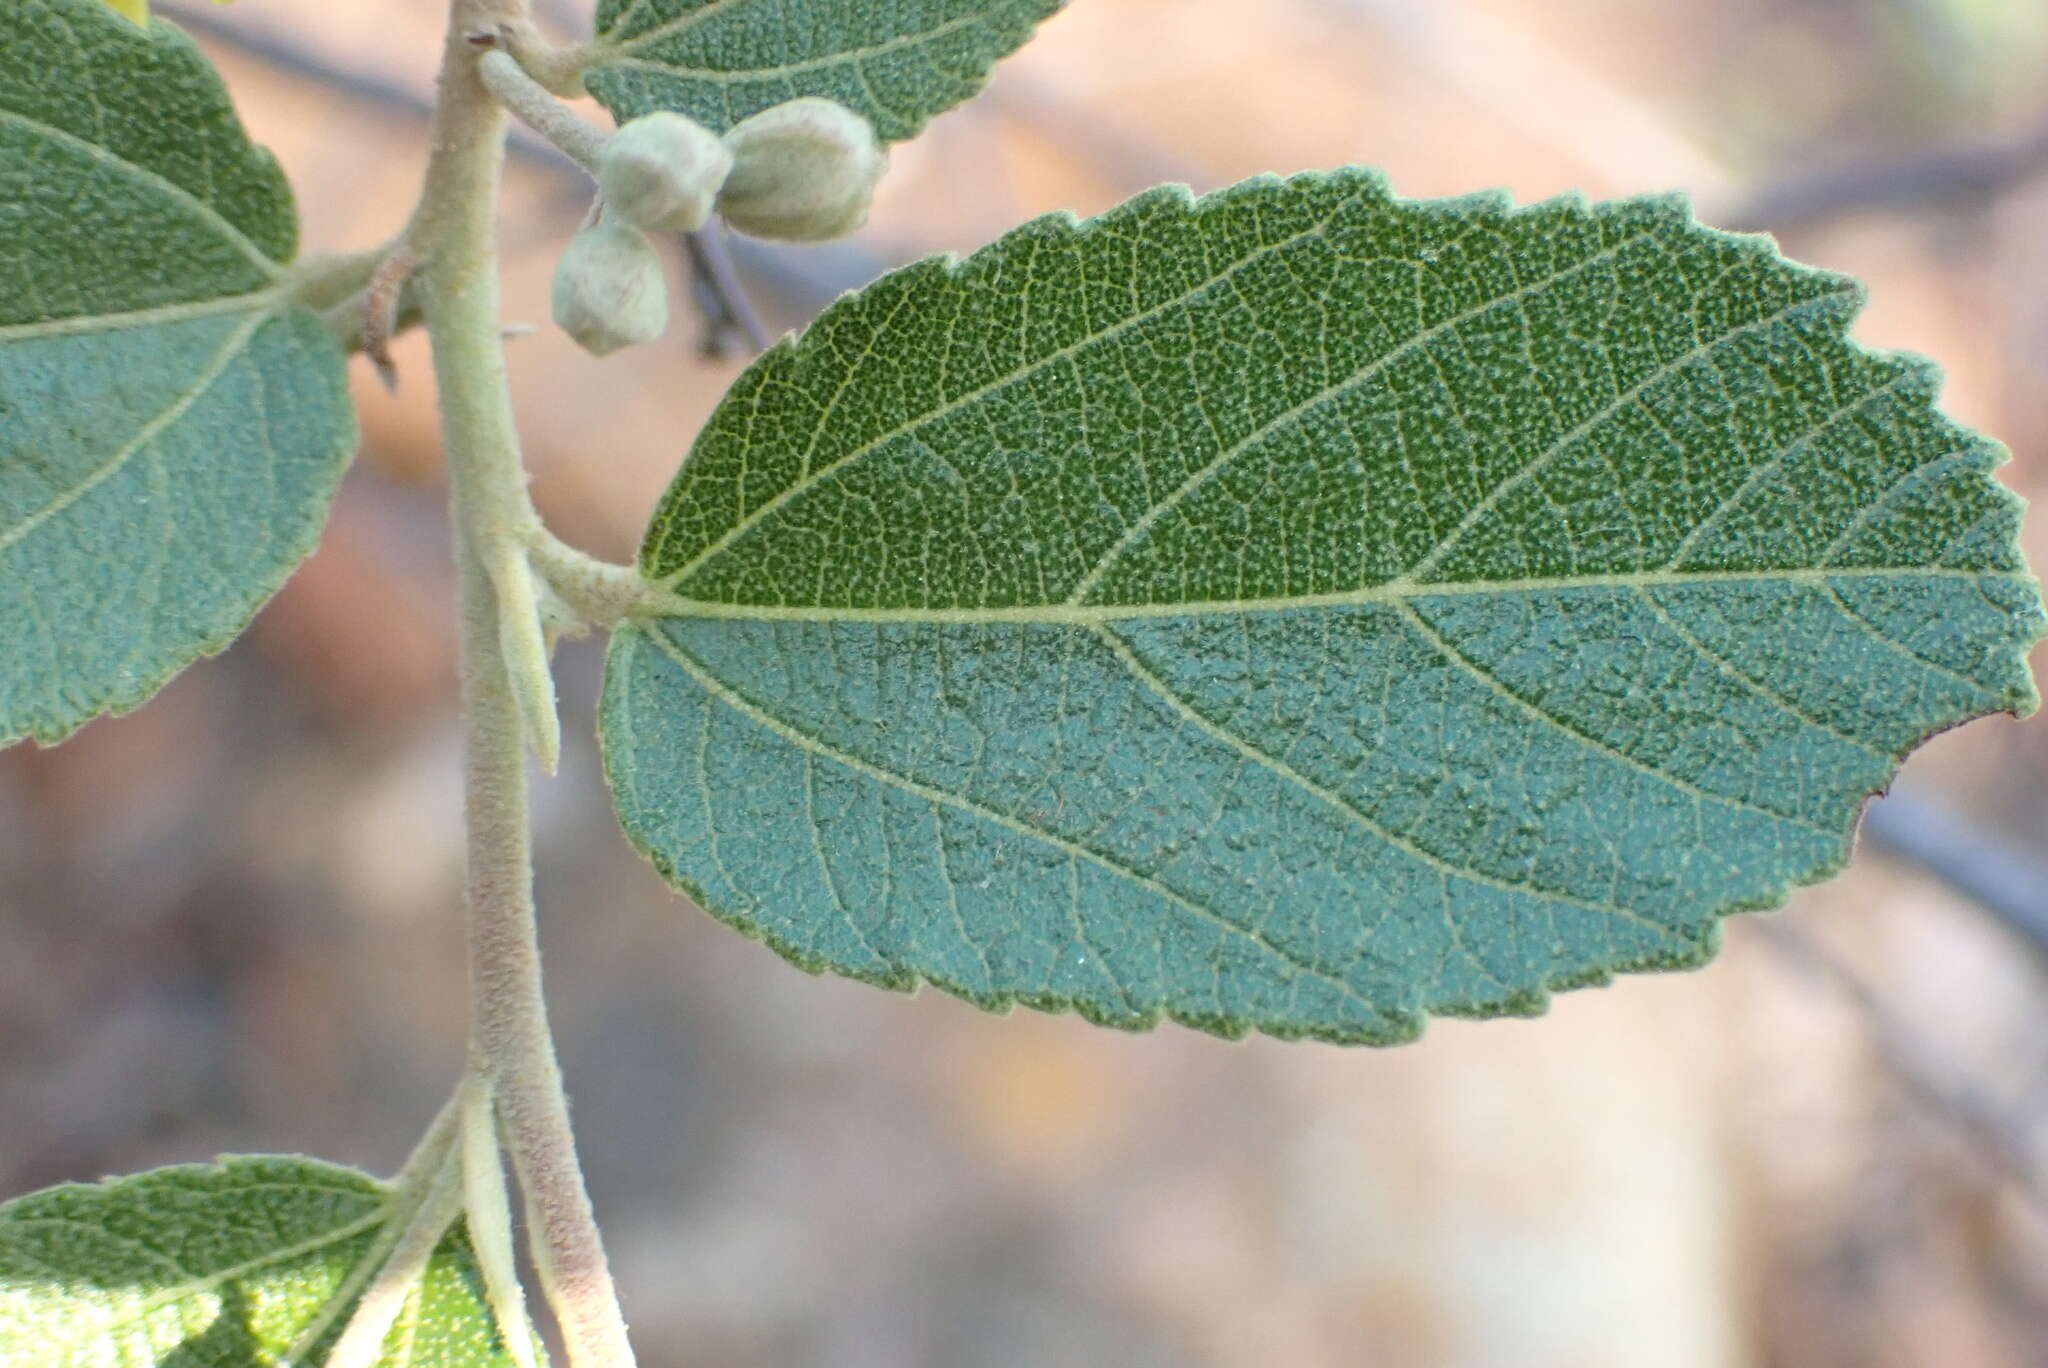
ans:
(510, 1043)
(540, 111)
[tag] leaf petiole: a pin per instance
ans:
(398, 1279)
(409, 1190)
(487, 1207)
(513, 87)
(599, 593)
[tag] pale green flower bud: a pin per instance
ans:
(609, 291)
(661, 172)
(802, 172)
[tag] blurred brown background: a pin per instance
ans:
(230, 921)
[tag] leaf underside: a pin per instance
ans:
(171, 426)
(1301, 610)
(226, 1265)
(896, 62)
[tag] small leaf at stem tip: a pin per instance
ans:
(223, 1265)
(1303, 610)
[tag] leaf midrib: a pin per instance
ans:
(1391, 592)
(736, 75)
(1126, 654)
(125, 319)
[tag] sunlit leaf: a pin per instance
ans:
(248, 1263)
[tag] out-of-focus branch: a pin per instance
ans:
(2009, 883)
(720, 298)
(1933, 1081)
(1565, 103)
(714, 282)
(1942, 176)
(1938, 177)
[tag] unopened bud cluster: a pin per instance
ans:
(801, 172)
(662, 173)
(608, 291)
(804, 171)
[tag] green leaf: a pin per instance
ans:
(896, 62)
(226, 1265)
(1303, 610)
(172, 426)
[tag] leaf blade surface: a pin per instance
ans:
(172, 425)
(1302, 610)
(224, 1265)
(895, 62)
